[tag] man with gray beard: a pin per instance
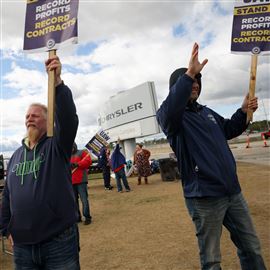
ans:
(38, 212)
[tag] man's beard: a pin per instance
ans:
(33, 134)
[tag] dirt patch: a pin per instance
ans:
(149, 228)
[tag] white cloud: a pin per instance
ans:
(135, 43)
(26, 81)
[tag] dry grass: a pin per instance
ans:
(149, 228)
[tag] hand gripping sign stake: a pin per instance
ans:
(252, 83)
(75, 169)
(51, 98)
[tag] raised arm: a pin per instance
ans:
(66, 119)
(170, 113)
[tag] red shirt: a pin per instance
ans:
(83, 159)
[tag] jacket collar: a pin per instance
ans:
(193, 106)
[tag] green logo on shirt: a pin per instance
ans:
(28, 166)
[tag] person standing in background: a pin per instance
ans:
(80, 163)
(104, 164)
(118, 162)
(141, 161)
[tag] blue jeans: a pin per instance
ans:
(60, 253)
(121, 175)
(209, 214)
(82, 190)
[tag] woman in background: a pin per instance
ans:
(141, 160)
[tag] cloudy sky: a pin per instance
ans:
(123, 44)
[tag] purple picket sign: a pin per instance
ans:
(98, 141)
(250, 31)
(49, 24)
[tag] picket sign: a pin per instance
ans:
(49, 24)
(252, 84)
(250, 35)
(51, 98)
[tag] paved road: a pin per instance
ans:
(257, 153)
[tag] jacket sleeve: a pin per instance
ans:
(171, 111)
(235, 126)
(5, 214)
(66, 119)
(85, 161)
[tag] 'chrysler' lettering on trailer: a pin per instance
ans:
(120, 112)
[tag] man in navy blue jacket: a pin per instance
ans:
(198, 136)
(38, 212)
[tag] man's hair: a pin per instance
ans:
(42, 106)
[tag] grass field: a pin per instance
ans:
(149, 228)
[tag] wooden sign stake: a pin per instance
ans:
(252, 83)
(51, 98)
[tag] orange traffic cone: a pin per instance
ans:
(248, 142)
(264, 141)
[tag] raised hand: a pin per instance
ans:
(194, 66)
(54, 63)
